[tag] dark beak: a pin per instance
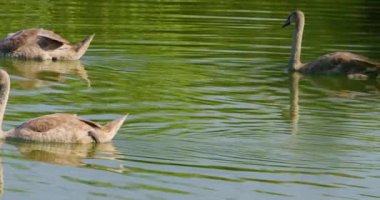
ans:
(287, 23)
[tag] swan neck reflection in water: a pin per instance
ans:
(294, 100)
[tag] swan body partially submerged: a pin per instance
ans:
(41, 44)
(56, 128)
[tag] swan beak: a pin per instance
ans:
(287, 23)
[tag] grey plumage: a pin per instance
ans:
(346, 63)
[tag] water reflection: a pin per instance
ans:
(45, 73)
(1, 175)
(294, 100)
(344, 87)
(65, 154)
(204, 83)
(340, 89)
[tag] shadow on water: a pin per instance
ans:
(64, 154)
(45, 73)
(294, 79)
(1, 176)
(340, 87)
(346, 88)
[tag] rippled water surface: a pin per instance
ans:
(213, 112)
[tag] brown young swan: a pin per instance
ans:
(41, 44)
(58, 128)
(352, 65)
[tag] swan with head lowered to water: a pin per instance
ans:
(41, 44)
(345, 63)
(56, 128)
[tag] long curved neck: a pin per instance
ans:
(4, 94)
(295, 56)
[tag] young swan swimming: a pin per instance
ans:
(352, 65)
(59, 128)
(41, 44)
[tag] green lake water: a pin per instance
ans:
(213, 112)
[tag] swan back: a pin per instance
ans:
(343, 63)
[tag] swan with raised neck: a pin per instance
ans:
(352, 65)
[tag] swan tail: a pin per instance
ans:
(112, 127)
(82, 46)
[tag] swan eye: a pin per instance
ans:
(292, 18)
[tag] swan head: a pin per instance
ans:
(294, 17)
